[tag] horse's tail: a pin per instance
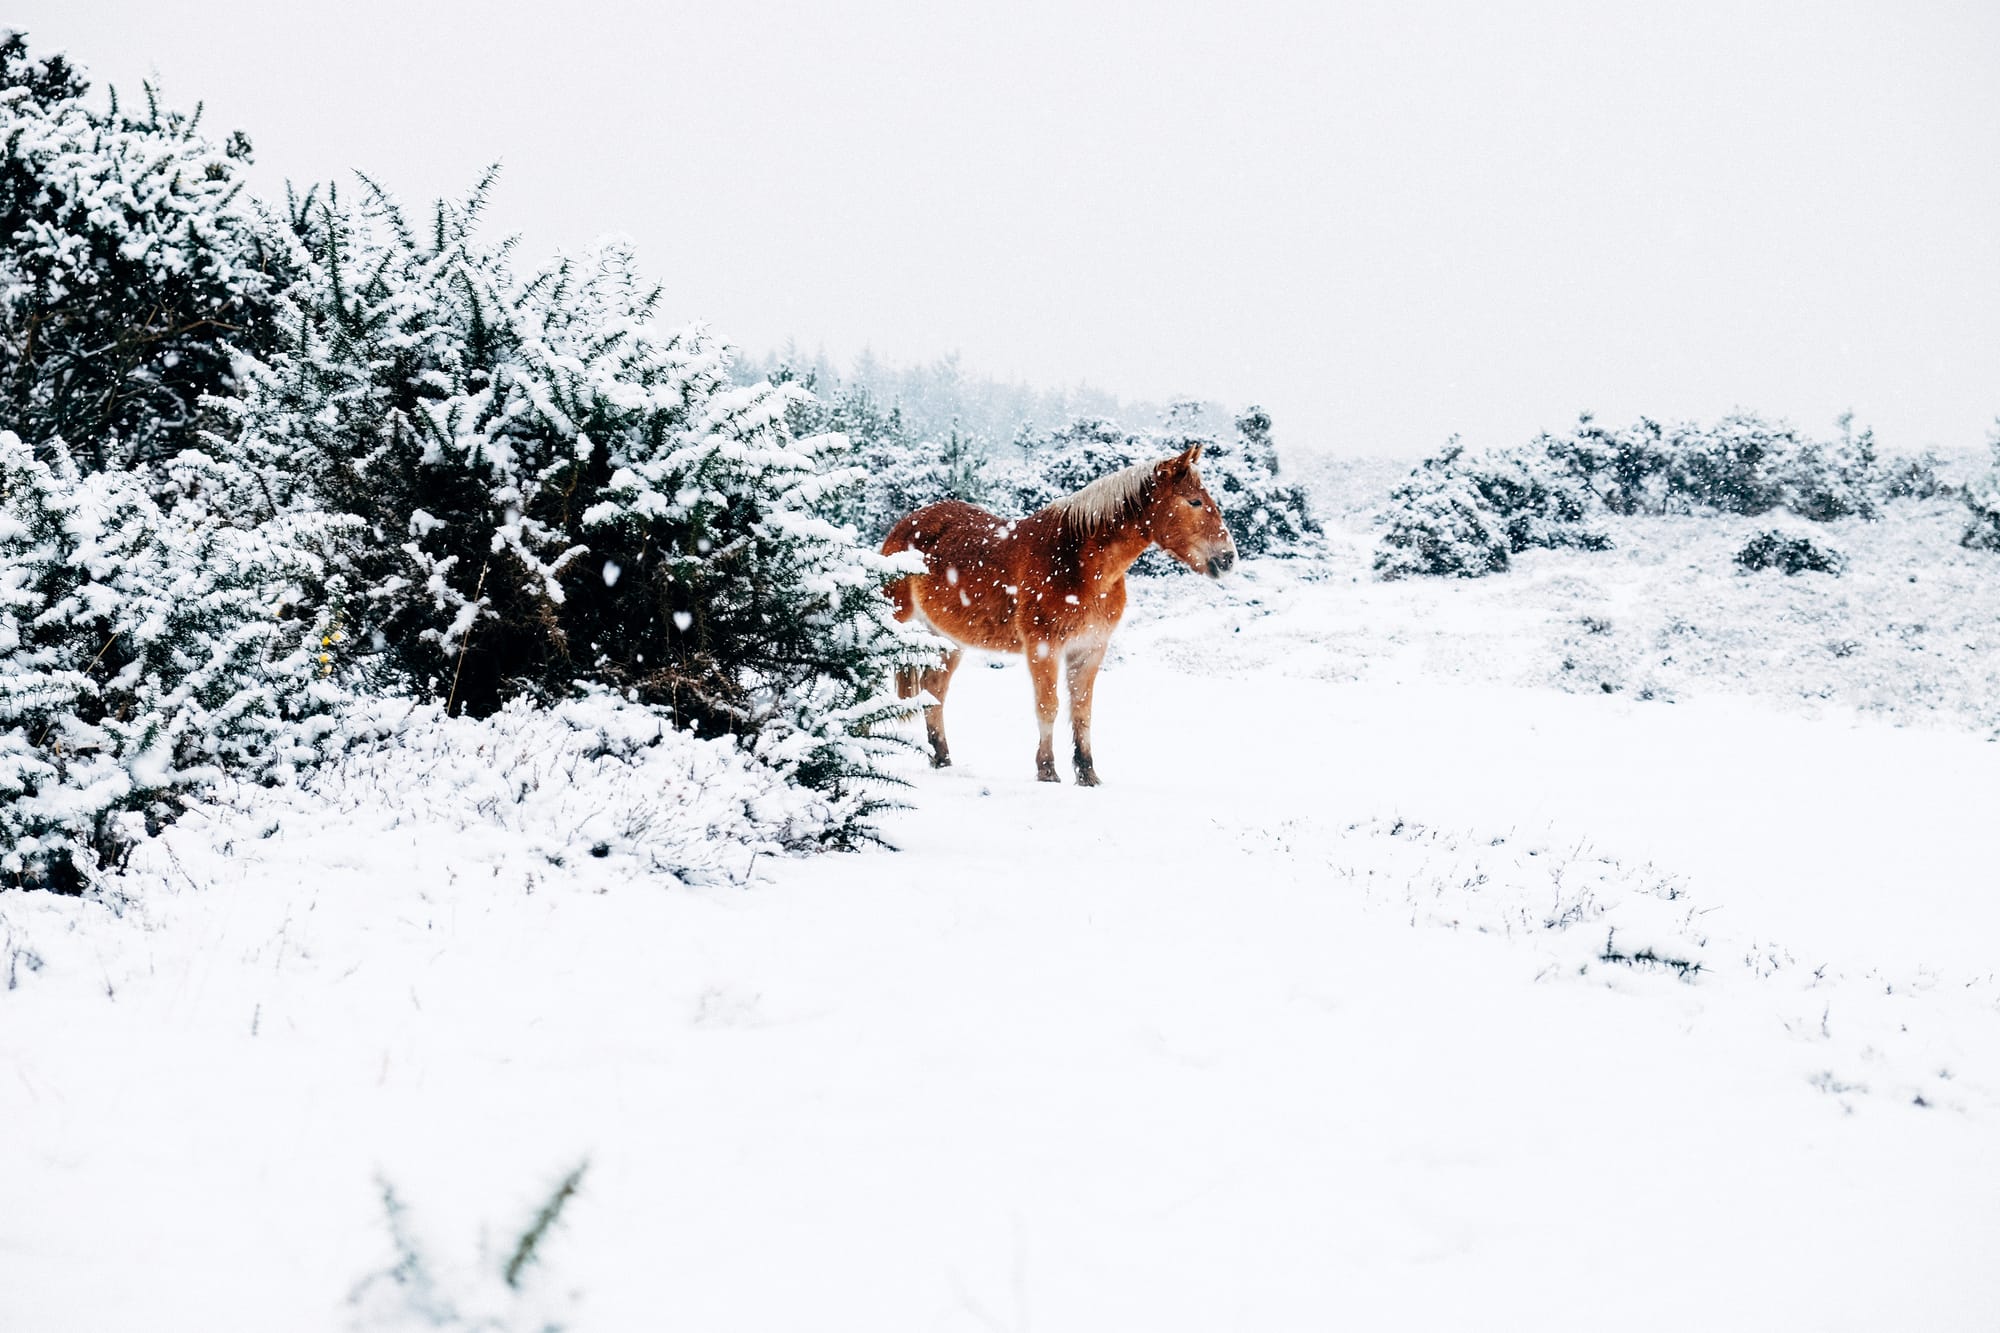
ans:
(911, 533)
(904, 595)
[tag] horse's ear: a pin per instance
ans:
(1178, 465)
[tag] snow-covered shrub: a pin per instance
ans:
(901, 471)
(1982, 501)
(1547, 493)
(592, 775)
(1624, 469)
(1439, 524)
(1825, 480)
(1789, 553)
(129, 266)
(1913, 477)
(1731, 467)
(556, 494)
(1266, 515)
(1539, 504)
(1052, 464)
(143, 651)
(1464, 516)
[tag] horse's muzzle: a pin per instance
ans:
(1220, 563)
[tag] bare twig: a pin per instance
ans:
(478, 591)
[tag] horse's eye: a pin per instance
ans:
(1195, 503)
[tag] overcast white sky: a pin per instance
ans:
(1386, 222)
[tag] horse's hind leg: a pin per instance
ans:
(1083, 662)
(1042, 670)
(937, 680)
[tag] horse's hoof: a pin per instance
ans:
(940, 761)
(1087, 780)
(1047, 775)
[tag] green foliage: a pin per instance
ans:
(423, 1289)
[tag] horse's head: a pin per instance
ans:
(1182, 517)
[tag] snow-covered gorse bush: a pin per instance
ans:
(905, 471)
(130, 267)
(151, 637)
(901, 469)
(1439, 524)
(1465, 514)
(144, 650)
(593, 774)
(1789, 553)
(1469, 516)
(1982, 501)
(264, 461)
(1266, 514)
(554, 493)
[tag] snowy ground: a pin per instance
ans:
(1400, 975)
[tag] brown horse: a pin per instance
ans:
(1050, 586)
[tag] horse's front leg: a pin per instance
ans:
(1084, 659)
(1042, 670)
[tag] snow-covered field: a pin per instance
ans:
(1610, 944)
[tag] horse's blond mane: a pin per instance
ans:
(1116, 497)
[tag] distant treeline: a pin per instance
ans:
(904, 465)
